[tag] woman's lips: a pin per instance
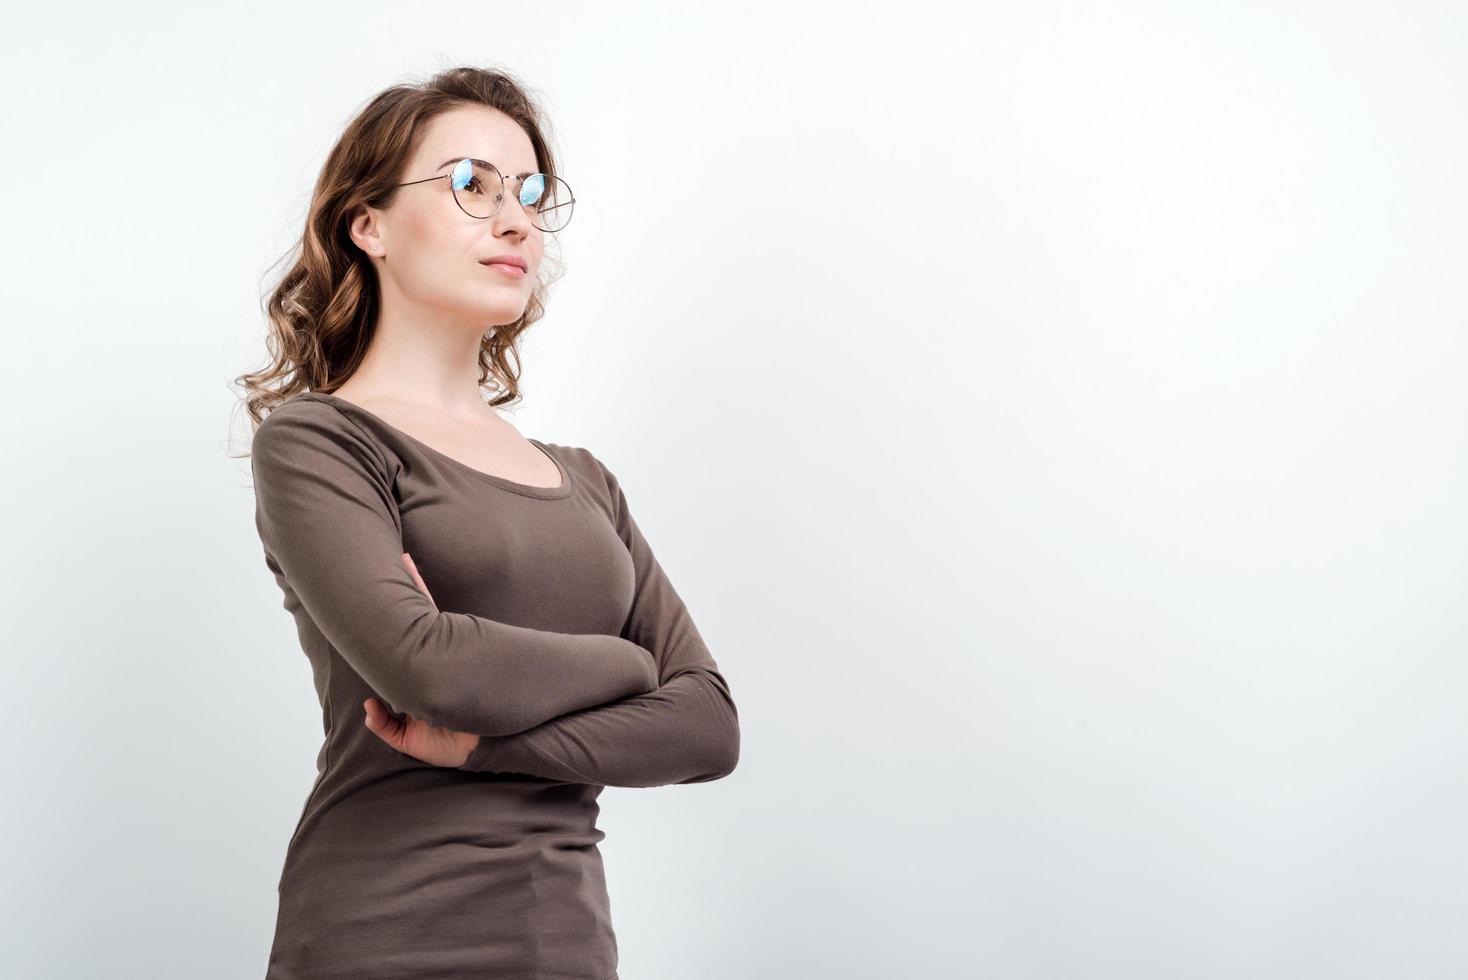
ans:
(513, 271)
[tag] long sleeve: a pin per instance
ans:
(686, 731)
(328, 519)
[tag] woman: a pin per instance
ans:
(491, 638)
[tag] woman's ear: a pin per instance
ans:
(366, 230)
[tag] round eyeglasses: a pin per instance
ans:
(479, 188)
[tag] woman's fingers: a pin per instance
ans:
(417, 579)
(383, 724)
(424, 742)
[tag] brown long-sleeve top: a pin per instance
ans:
(552, 632)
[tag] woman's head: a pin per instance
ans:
(386, 229)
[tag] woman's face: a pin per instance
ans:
(429, 254)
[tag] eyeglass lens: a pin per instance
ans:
(479, 190)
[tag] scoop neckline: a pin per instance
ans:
(549, 493)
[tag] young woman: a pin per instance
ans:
(491, 638)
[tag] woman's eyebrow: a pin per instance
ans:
(523, 173)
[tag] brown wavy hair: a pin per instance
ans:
(323, 311)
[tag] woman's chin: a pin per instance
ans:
(499, 313)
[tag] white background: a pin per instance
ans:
(1052, 414)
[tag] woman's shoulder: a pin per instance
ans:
(591, 472)
(581, 459)
(300, 406)
(305, 422)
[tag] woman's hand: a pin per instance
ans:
(424, 742)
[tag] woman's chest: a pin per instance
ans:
(552, 564)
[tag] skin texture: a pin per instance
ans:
(421, 370)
